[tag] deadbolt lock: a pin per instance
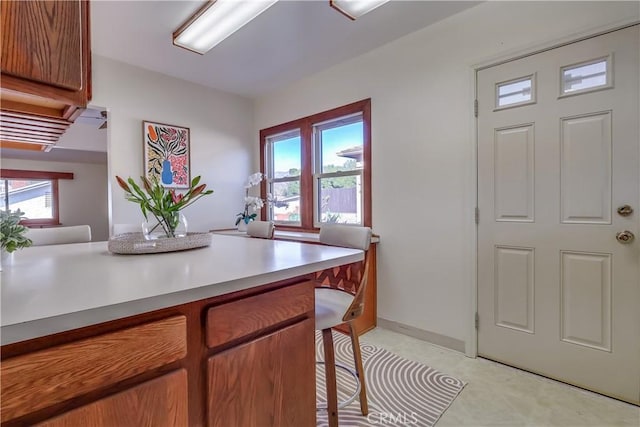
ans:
(625, 210)
(625, 237)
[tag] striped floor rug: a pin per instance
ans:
(400, 392)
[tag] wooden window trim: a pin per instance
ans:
(53, 177)
(305, 124)
(25, 174)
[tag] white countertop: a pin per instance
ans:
(49, 289)
(299, 236)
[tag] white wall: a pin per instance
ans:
(83, 199)
(422, 144)
(221, 128)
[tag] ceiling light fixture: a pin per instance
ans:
(353, 9)
(215, 21)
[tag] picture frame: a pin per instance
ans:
(167, 154)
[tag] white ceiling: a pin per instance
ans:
(289, 41)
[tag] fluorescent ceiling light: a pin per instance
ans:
(353, 9)
(216, 21)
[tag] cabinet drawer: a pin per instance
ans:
(37, 380)
(165, 405)
(240, 318)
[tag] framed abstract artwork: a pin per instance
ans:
(166, 154)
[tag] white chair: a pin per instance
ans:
(340, 299)
(126, 228)
(59, 235)
(262, 229)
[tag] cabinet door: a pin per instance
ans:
(42, 41)
(161, 402)
(266, 382)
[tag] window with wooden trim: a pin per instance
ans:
(33, 192)
(318, 169)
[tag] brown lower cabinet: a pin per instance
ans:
(159, 403)
(242, 376)
(242, 359)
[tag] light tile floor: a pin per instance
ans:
(498, 395)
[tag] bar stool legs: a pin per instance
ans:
(330, 373)
(357, 358)
(330, 369)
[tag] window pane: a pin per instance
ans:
(339, 200)
(515, 92)
(585, 76)
(3, 194)
(287, 204)
(341, 147)
(33, 197)
(286, 155)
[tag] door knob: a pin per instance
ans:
(625, 210)
(625, 237)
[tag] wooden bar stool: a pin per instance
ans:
(340, 299)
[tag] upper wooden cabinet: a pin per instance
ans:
(46, 65)
(45, 49)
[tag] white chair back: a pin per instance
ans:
(347, 236)
(59, 235)
(262, 229)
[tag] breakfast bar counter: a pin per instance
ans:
(50, 289)
(218, 336)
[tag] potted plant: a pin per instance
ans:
(11, 232)
(252, 204)
(163, 204)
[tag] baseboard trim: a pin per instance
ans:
(421, 334)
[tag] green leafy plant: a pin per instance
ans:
(11, 232)
(161, 202)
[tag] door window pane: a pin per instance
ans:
(515, 92)
(585, 76)
(33, 197)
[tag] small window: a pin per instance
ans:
(318, 168)
(33, 197)
(33, 192)
(586, 76)
(516, 92)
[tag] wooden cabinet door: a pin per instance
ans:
(45, 56)
(42, 41)
(161, 402)
(266, 382)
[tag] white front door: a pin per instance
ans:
(558, 156)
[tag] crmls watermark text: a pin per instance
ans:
(392, 419)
